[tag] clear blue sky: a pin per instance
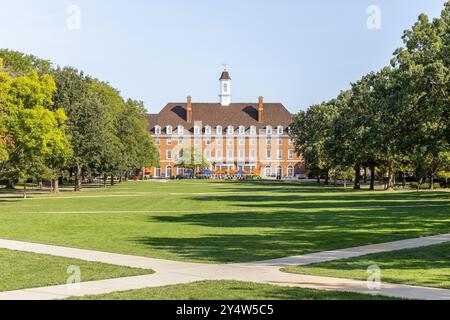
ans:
(296, 52)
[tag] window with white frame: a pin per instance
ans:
(253, 142)
(241, 141)
(279, 154)
(230, 141)
(280, 130)
(230, 130)
(269, 141)
(252, 154)
(169, 141)
(207, 130)
(219, 130)
(208, 141)
(269, 130)
(180, 130)
(290, 171)
(180, 140)
(169, 130)
(291, 154)
(169, 155)
(157, 130)
(230, 155)
(197, 142)
(158, 172)
(241, 130)
(268, 154)
(253, 130)
(219, 141)
(197, 130)
(242, 155)
(268, 171)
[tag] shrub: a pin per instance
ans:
(424, 186)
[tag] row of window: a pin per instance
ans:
(208, 141)
(268, 171)
(219, 130)
(230, 154)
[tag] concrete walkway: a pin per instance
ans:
(266, 272)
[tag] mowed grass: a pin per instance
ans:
(230, 290)
(428, 267)
(221, 222)
(22, 270)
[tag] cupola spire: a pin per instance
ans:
(225, 88)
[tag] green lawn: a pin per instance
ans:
(21, 270)
(230, 290)
(428, 267)
(223, 222)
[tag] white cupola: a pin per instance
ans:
(225, 89)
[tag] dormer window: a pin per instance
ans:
(280, 130)
(219, 130)
(207, 130)
(241, 130)
(180, 130)
(252, 130)
(268, 130)
(196, 130)
(169, 129)
(230, 129)
(157, 130)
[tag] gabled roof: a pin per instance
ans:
(225, 75)
(213, 114)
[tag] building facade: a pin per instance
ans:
(226, 136)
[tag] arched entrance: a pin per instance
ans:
(169, 172)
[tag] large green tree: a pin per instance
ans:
(30, 130)
(424, 65)
(310, 132)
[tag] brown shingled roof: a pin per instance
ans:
(225, 75)
(213, 114)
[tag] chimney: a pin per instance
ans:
(261, 110)
(189, 109)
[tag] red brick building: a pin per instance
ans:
(252, 137)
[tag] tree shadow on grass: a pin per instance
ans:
(252, 236)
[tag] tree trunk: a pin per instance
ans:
(9, 184)
(78, 179)
(105, 179)
(327, 177)
(404, 180)
(390, 182)
(432, 182)
(24, 189)
(365, 175)
(357, 177)
(112, 180)
(372, 176)
(345, 183)
(55, 185)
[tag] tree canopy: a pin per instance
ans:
(59, 119)
(396, 119)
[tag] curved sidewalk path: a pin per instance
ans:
(265, 272)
